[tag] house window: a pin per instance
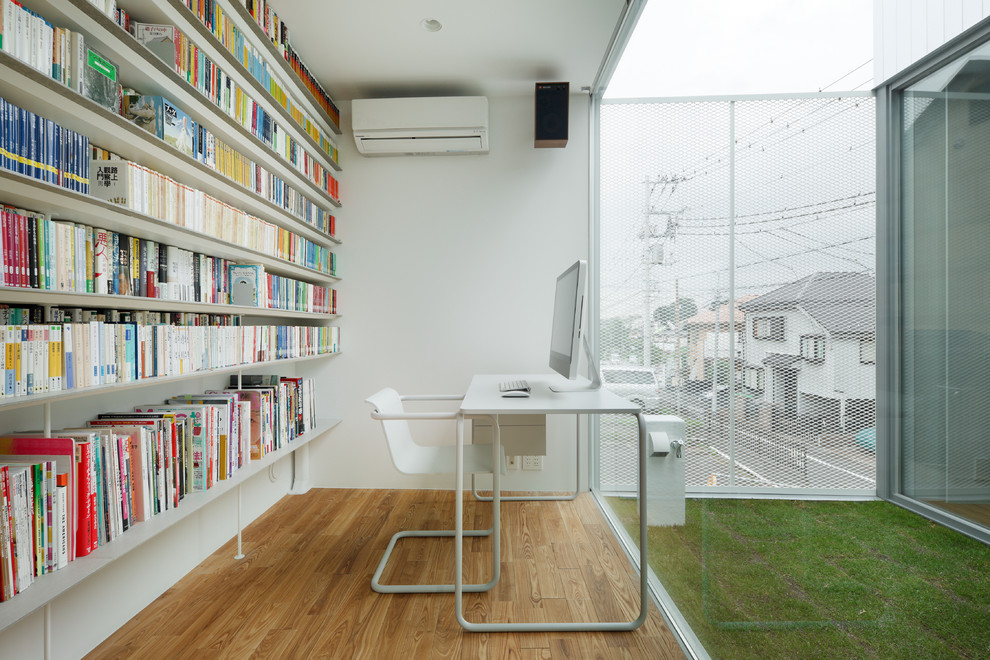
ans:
(754, 378)
(813, 348)
(769, 327)
(868, 351)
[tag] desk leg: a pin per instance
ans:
(459, 513)
(550, 626)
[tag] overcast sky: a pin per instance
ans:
(716, 47)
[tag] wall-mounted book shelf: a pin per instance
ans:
(139, 67)
(245, 22)
(49, 587)
(9, 403)
(63, 204)
(43, 95)
(18, 296)
(38, 93)
(176, 13)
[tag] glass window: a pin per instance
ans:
(868, 351)
(769, 327)
(813, 348)
(944, 449)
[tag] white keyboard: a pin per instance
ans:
(513, 386)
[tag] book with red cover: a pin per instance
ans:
(7, 585)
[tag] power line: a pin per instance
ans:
(847, 75)
(783, 210)
(812, 214)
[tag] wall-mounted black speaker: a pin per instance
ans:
(551, 114)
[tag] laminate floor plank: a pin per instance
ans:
(302, 590)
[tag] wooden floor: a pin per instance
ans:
(978, 512)
(302, 590)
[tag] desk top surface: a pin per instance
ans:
(484, 398)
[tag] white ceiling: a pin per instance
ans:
(367, 49)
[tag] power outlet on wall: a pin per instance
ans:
(512, 462)
(532, 462)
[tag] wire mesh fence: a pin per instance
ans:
(737, 264)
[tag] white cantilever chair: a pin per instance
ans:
(412, 458)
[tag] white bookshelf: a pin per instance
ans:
(47, 588)
(65, 204)
(21, 296)
(140, 69)
(175, 12)
(10, 403)
(29, 89)
(239, 14)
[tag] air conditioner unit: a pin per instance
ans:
(421, 126)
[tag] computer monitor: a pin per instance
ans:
(567, 335)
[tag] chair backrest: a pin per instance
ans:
(405, 453)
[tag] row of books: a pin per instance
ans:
(177, 50)
(227, 33)
(65, 496)
(39, 148)
(293, 295)
(168, 122)
(251, 286)
(46, 358)
(59, 53)
(173, 47)
(35, 507)
(151, 193)
(278, 32)
(40, 253)
(35, 314)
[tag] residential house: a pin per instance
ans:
(811, 349)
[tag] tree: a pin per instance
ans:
(617, 338)
(665, 313)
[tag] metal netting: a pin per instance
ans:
(737, 263)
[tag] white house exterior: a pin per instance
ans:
(810, 349)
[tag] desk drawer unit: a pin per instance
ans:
(522, 435)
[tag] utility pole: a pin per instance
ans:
(653, 240)
(677, 341)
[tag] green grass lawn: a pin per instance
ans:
(803, 579)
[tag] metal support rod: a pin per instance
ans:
(732, 294)
(240, 553)
(48, 630)
(48, 419)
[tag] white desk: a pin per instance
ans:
(483, 398)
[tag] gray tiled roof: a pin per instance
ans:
(839, 302)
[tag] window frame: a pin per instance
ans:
(774, 330)
(816, 342)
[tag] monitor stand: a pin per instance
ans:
(582, 385)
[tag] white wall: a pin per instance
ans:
(449, 265)
(907, 30)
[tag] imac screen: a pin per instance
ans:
(567, 309)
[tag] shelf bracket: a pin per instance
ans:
(48, 629)
(300, 471)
